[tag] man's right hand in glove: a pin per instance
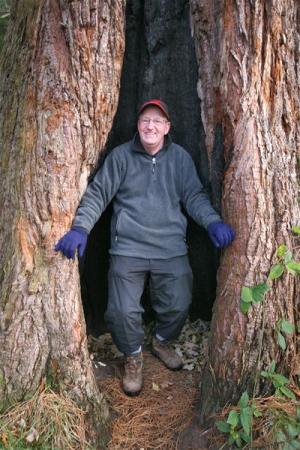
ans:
(74, 239)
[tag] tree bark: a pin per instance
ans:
(59, 84)
(248, 55)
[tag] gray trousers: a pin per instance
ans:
(170, 284)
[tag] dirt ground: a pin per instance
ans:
(163, 416)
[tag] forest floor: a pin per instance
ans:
(163, 415)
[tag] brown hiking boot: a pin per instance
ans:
(166, 353)
(133, 376)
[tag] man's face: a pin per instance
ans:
(153, 126)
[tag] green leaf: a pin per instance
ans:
(245, 307)
(257, 413)
(281, 251)
(276, 271)
(292, 430)
(288, 257)
(233, 418)
(238, 441)
(287, 392)
(287, 446)
(246, 294)
(295, 444)
(287, 327)
(223, 426)
(281, 341)
(280, 379)
(244, 400)
(265, 374)
(280, 436)
(245, 437)
(231, 440)
(279, 394)
(246, 419)
(294, 266)
(296, 229)
(259, 291)
(272, 366)
(298, 412)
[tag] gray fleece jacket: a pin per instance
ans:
(148, 194)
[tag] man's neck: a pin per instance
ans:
(152, 151)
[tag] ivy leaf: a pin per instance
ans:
(295, 444)
(287, 327)
(246, 294)
(296, 229)
(276, 271)
(223, 426)
(259, 291)
(245, 307)
(281, 251)
(281, 341)
(233, 418)
(294, 266)
(272, 366)
(244, 400)
(287, 392)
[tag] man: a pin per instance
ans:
(150, 180)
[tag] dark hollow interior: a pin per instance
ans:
(159, 62)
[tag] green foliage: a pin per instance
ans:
(276, 271)
(238, 425)
(286, 327)
(256, 294)
(252, 295)
(296, 229)
(279, 382)
(287, 430)
(293, 267)
(285, 426)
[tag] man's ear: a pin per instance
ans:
(168, 128)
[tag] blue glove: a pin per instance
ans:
(74, 239)
(221, 234)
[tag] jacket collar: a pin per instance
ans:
(137, 146)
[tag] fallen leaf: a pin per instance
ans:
(155, 387)
(32, 436)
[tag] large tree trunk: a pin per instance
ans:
(248, 53)
(60, 72)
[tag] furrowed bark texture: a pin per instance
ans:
(60, 72)
(248, 55)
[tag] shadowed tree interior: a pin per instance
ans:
(159, 62)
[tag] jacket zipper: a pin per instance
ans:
(153, 165)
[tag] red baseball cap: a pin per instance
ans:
(159, 104)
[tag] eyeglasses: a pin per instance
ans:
(157, 122)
